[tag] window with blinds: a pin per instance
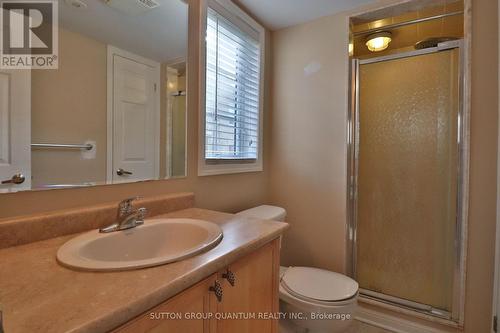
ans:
(232, 106)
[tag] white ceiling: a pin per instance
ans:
(159, 34)
(278, 14)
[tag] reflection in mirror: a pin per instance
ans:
(115, 108)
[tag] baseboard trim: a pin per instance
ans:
(391, 323)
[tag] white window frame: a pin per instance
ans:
(232, 12)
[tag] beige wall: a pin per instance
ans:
(308, 140)
(69, 106)
(308, 166)
(226, 193)
(482, 213)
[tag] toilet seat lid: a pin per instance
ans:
(319, 284)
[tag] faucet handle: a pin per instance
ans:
(125, 206)
(141, 213)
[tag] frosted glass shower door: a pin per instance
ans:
(407, 172)
(178, 128)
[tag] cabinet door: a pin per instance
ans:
(195, 300)
(255, 292)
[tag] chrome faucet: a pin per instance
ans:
(127, 218)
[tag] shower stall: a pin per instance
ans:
(177, 134)
(407, 181)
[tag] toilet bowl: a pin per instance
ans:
(311, 299)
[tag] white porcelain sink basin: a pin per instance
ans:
(157, 242)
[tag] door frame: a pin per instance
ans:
(456, 316)
(169, 100)
(21, 100)
(111, 52)
(496, 281)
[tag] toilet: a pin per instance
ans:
(312, 299)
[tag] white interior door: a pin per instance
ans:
(15, 130)
(135, 118)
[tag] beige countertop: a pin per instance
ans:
(39, 295)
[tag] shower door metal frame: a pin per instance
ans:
(455, 317)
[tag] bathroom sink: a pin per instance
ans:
(157, 242)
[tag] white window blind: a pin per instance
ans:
(232, 91)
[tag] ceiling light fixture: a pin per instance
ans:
(378, 41)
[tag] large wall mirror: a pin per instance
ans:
(113, 111)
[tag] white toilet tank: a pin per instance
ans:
(265, 212)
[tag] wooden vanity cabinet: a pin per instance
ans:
(245, 307)
(162, 319)
(255, 292)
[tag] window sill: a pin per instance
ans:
(206, 169)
